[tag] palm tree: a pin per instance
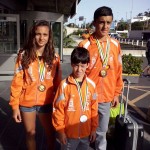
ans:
(140, 14)
(146, 13)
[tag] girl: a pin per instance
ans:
(37, 75)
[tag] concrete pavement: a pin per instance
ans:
(12, 135)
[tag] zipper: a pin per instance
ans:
(38, 81)
(36, 93)
(102, 89)
(79, 130)
(79, 123)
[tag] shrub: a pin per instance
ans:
(131, 64)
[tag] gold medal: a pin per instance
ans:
(41, 88)
(103, 73)
(107, 67)
(104, 57)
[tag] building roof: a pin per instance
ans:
(139, 19)
(66, 7)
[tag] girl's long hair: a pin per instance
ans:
(30, 47)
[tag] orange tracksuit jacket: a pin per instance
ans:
(111, 85)
(24, 86)
(67, 109)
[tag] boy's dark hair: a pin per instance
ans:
(80, 55)
(102, 11)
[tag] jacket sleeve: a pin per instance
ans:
(94, 112)
(58, 117)
(119, 82)
(58, 74)
(16, 85)
(82, 43)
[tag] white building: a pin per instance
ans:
(138, 19)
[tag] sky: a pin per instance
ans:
(121, 9)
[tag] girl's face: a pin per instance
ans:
(102, 25)
(41, 36)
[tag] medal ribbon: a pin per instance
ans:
(105, 56)
(41, 69)
(82, 101)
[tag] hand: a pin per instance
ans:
(92, 137)
(62, 138)
(115, 101)
(17, 115)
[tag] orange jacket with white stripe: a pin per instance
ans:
(24, 86)
(67, 108)
(110, 86)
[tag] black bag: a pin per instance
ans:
(129, 133)
(148, 44)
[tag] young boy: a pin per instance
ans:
(105, 69)
(75, 107)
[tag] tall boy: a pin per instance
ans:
(75, 107)
(105, 69)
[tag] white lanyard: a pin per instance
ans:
(41, 71)
(103, 56)
(82, 101)
(41, 67)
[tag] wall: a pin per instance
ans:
(71, 30)
(138, 53)
(137, 34)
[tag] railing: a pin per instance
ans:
(141, 43)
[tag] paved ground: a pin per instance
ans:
(12, 135)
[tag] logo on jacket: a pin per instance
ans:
(71, 104)
(88, 100)
(111, 58)
(48, 75)
(30, 71)
(93, 60)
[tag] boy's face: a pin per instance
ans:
(79, 70)
(102, 25)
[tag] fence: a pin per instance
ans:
(141, 43)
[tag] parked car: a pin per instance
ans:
(114, 35)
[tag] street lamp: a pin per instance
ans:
(148, 18)
(75, 21)
(81, 18)
(118, 16)
(85, 23)
(131, 16)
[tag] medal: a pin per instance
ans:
(103, 73)
(83, 101)
(41, 66)
(107, 67)
(104, 57)
(41, 88)
(83, 118)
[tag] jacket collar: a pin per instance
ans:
(93, 39)
(71, 79)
